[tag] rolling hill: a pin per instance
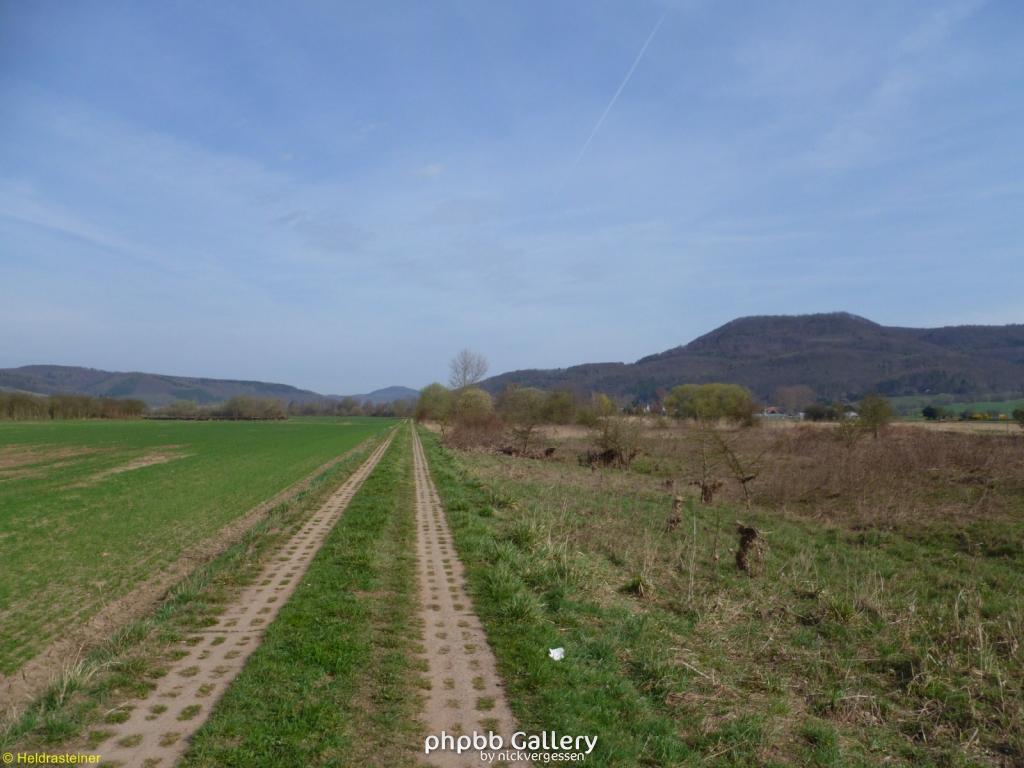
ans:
(385, 395)
(158, 389)
(838, 355)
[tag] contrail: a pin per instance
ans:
(622, 85)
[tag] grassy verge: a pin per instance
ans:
(332, 683)
(88, 691)
(523, 589)
(845, 648)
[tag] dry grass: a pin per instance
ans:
(909, 476)
(880, 623)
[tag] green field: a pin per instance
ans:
(911, 405)
(74, 534)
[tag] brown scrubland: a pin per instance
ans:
(846, 593)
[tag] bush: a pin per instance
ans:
(822, 412)
(523, 409)
(559, 407)
(473, 407)
(600, 407)
(875, 413)
(182, 409)
(711, 402)
(434, 404)
(475, 423)
(618, 441)
(243, 408)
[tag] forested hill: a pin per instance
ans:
(838, 355)
(158, 389)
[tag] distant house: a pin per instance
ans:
(773, 412)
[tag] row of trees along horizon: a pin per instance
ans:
(468, 415)
(465, 406)
(22, 406)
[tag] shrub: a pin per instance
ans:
(822, 412)
(618, 440)
(473, 407)
(434, 404)
(711, 402)
(244, 408)
(875, 413)
(600, 407)
(559, 407)
(523, 409)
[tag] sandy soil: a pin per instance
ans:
(22, 687)
(168, 453)
(18, 455)
(21, 461)
(465, 693)
(159, 726)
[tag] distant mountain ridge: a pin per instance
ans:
(159, 389)
(385, 395)
(839, 355)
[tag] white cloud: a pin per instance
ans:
(430, 170)
(860, 133)
(940, 24)
(855, 137)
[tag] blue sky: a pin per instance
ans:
(341, 195)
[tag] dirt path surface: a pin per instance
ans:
(21, 688)
(158, 727)
(465, 693)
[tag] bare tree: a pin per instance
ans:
(793, 399)
(467, 368)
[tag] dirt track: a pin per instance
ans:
(465, 692)
(157, 730)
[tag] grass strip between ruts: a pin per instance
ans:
(333, 682)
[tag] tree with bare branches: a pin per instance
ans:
(467, 368)
(793, 399)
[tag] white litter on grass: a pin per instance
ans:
(556, 653)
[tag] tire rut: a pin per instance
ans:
(158, 727)
(466, 693)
